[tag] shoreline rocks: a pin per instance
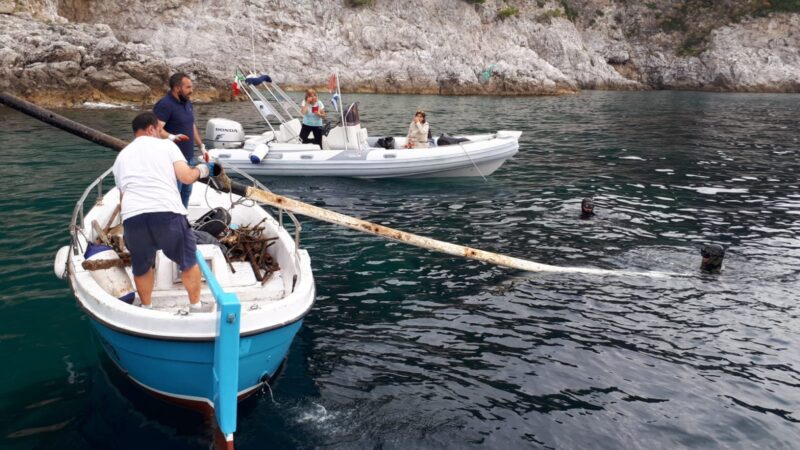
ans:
(67, 64)
(67, 52)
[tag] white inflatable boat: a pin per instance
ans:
(347, 149)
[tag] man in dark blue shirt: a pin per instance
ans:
(175, 114)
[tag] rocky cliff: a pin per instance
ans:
(72, 51)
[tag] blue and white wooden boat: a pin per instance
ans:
(206, 360)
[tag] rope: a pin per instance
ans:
(271, 396)
(473, 162)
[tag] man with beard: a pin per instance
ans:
(176, 116)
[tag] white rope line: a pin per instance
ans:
(473, 162)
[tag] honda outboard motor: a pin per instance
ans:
(224, 133)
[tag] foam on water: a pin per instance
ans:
(315, 413)
(715, 190)
(101, 105)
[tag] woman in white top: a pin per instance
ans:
(418, 131)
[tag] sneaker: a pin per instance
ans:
(200, 307)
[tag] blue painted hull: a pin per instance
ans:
(182, 370)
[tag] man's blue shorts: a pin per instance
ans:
(147, 233)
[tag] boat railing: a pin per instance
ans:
(226, 352)
(76, 223)
(269, 107)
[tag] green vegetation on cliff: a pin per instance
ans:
(508, 11)
(358, 3)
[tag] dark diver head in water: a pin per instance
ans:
(587, 208)
(712, 258)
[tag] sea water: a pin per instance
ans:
(406, 348)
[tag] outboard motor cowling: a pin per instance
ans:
(224, 133)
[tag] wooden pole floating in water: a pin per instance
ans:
(329, 216)
(58, 121)
(315, 212)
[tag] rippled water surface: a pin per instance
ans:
(409, 349)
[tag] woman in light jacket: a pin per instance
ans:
(418, 132)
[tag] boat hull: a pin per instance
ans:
(182, 370)
(474, 160)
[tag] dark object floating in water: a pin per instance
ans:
(587, 208)
(712, 258)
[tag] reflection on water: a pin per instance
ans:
(410, 349)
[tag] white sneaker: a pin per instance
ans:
(200, 307)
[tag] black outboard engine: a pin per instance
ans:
(712, 258)
(587, 208)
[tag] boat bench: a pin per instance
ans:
(167, 273)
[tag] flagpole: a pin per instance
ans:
(253, 43)
(341, 107)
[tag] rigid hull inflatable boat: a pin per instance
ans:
(347, 150)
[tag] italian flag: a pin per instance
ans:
(237, 78)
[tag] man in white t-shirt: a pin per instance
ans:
(154, 218)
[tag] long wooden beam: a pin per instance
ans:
(315, 212)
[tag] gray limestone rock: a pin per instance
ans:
(130, 88)
(63, 64)
(125, 51)
(7, 6)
